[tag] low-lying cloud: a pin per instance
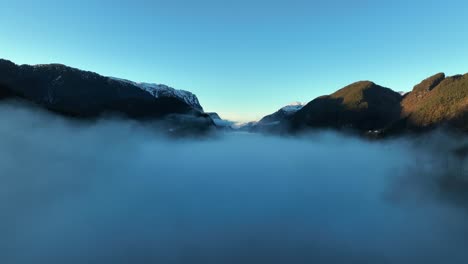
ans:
(115, 191)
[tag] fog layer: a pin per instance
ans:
(117, 192)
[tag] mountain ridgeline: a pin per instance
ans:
(370, 109)
(82, 94)
(363, 107)
(437, 100)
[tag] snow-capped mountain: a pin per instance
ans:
(76, 93)
(281, 114)
(293, 107)
(161, 90)
(275, 119)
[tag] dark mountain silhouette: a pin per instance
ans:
(214, 115)
(82, 94)
(361, 106)
(282, 114)
(272, 122)
(220, 123)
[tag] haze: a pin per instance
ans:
(115, 191)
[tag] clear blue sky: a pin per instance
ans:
(243, 58)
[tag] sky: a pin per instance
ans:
(246, 58)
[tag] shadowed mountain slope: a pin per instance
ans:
(83, 94)
(360, 106)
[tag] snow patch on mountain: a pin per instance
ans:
(293, 107)
(161, 90)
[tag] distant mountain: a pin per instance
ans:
(361, 106)
(281, 115)
(247, 127)
(221, 123)
(85, 94)
(273, 122)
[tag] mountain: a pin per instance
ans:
(214, 115)
(273, 122)
(161, 90)
(367, 107)
(360, 106)
(83, 94)
(221, 123)
(247, 127)
(281, 115)
(437, 100)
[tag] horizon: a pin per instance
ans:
(243, 61)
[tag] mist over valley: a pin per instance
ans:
(117, 191)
